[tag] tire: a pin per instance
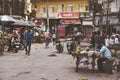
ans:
(60, 50)
(22, 46)
(15, 50)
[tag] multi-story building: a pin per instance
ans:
(65, 16)
(108, 18)
(15, 7)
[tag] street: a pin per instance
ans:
(41, 65)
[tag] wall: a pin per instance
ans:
(55, 3)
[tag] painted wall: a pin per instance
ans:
(55, 3)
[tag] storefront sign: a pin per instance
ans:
(87, 23)
(69, 15)
(70, 21)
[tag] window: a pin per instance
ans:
(60, 8)
(51, 9)
(69, 8)
(42, 9)
(81, 7)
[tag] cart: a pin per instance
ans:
(78, 58)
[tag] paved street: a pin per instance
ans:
(40, 66)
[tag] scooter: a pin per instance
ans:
(59, 46)
(71, 45)
(15, 46)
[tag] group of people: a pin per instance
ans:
(102, 44)
(24, 37)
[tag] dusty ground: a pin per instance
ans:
(40, 66)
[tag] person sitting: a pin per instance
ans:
(106, 55)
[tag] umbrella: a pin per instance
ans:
(5, 18)
(31, 23)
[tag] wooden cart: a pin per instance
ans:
(80, 56)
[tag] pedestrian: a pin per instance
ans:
(107, 41)
(47, 35)
(97, 39)
(79, 37)
(112, 41)
(54, 36)
(103, 36)
(28, 39)
(106, 55)
(92, 41)
(116, 40)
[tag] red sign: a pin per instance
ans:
(69, 15)
(70, 21)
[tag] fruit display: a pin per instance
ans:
(78, 50)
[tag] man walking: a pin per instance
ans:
(28, 39)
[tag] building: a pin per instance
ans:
(15, 7)
(64, 16)
(20, 10)
(107, 19)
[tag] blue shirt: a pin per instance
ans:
(105, 52)
(28, 36)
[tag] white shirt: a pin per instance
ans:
(116, 41)
(112, 41)
(107, 42)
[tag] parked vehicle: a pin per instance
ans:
(22, 46)
(71, 45)
(15, 46)
(59, 46)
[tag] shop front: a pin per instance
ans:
(88, 27)
(70, 22)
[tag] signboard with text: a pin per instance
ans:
(69, 15)
(70, 21)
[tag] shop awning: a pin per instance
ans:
(20, 23)
(31, 23)
(6, 18)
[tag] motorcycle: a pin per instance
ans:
(71, 45)
(15, 46)
(59, 46)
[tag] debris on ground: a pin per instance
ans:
(52, 55)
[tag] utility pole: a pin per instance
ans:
(92, 8)
(107, 21)
(10, 7)
(47, 15)
(100, 5)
